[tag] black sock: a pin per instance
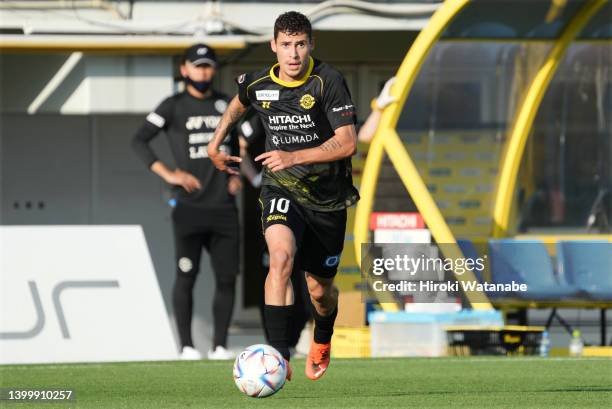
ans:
(277, 321)
(324, 326)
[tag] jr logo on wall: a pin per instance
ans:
(40, 321)
(70, 291)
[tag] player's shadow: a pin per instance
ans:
(586, 388)
(385, 394)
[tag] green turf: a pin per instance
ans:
(366, 383)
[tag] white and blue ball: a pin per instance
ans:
(260, 371)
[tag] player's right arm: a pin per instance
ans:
(230, 117)
(154, 123)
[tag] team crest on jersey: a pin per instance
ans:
(307, 101)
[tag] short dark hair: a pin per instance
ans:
(292, 23)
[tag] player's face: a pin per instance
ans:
(198, 73)
(292, 52)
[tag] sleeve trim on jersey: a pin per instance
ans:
(292, 84)
(156, 119)
(320, 79)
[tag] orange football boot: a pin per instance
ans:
(317, 360)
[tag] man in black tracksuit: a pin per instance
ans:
(205, 213)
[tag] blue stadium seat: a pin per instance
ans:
(588, 266)
(527, 261)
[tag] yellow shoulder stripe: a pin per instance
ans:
(320, 79)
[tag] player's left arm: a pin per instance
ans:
(342, 145)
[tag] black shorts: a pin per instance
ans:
(319, 235)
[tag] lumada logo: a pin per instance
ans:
(307, 101)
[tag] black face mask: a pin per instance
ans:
(201, 86)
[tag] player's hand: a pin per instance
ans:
(184, 179)
(385, 98)
(277, 160)
(234, 184)
(222, 160)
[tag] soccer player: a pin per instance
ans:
(309, 119)
(205, 213)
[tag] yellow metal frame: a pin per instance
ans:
(526, 115)
(387, 139)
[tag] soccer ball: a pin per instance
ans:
(260, 371)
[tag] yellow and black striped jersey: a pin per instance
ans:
(304, 114)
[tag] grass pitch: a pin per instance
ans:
(349, 383)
